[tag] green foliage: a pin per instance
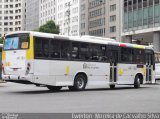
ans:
(49, 27)
(36, 30)
(1, 40)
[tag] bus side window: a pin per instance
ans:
(45, 48)
(98, 53)
(55, 48)
(38, 47)
(126, 55)
(65, 50)
(138, 56)
(75, 50)
(84, 51)
(41, 47)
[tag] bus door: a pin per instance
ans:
(149, 64)
(113, 64)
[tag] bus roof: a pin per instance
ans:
(90, 39)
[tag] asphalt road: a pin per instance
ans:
(19, 98)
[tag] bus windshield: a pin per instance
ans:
(16, 42)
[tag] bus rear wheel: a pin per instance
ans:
(137, 82)
(79, 83)
(54, 88)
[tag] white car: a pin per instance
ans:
(157, 65)
(157, 70)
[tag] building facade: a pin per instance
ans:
(85, 17)
(96, 17)
(47, 11)
(141, 22)
(12, 16)
(68, 17)
(32, 14)
(102, 18)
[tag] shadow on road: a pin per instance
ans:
(116, 89)
(67, 90)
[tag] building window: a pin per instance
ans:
(156, 14)
(82, 25)
(82, 7)
(83, 33)
(130, 5)
(96, 23)
(125, 5)
(112, 29)
(98, 32)
(139, 4)
(112, 18)
(130, 19)
(140, 17)
(151, 2)
(145, 16)
(134, 4)
(144, 3)
(135, 15)
(156, 1)
(113, 7)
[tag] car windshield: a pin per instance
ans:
(16, 42)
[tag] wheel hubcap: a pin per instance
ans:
(80, 82)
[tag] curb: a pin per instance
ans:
(2, 81)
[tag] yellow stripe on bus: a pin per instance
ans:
(120, 71)
(67, 70)
(139, 46)
(30, 51)
(3, 55)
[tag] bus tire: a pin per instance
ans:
(137, 82)
(54, 88)
(80, 82)
(112, 86)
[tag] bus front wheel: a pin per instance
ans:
(79, 83)
(137, 82)
(54, 88)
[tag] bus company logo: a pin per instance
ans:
(85, 66)
(90, 66)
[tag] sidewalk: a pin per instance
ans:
(2, 81)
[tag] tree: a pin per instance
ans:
(1, 40)
(49, 27)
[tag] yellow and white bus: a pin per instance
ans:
(76, 62)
